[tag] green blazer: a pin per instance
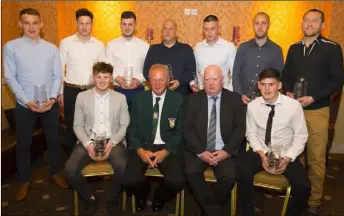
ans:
(171, 122)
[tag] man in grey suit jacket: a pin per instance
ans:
(99, 110)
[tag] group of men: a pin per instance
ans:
(167, 127)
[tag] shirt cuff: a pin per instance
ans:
(113, 143)
(88, 143)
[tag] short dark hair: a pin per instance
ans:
(128, 15)
(83, 12)
(102, 67)
(211, 18)
(322, 15)
(29, 11)
(270, 73)
(262, 13)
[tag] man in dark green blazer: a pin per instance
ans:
(156, 140)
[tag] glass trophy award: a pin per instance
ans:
(169, 67)
(99, 144)
(253, 90)
(274, 157)
(40, 94)
(198, 79)
(128, 75)
(300, 88)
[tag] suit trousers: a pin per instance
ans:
(317, 125)
(249, 163)
(80, 158)
(69, 98)
(171, 167)
(25, 123)
(210, 201)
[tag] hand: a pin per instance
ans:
(146, 156)
(207, 157)
(159, 157)
(219, 156)
(91, 152)
(134, 83)
(107, 150)
(60, 100)
(264, 160)
(33, 106)
(47, 105)
(306, 100)
(283, 165)
(194, 88)
(245, 99)
(121, 82)
(291, 95)
(174, 84)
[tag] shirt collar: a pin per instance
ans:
(318, 39)
(174, 45)
(218, 42)
(75, 38)
(278, 101)
(28, 40)
(218, 95)
(161, 96)
(267, 43)
(98, 96)
(127, 41)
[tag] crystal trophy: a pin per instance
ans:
(169, 67)
(99, 144)
(198, 79)
(274, 157)
(40, 94)
(253, 91)
(300, 88)
(128, 75)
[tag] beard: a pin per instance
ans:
(260, 36)
(312, 34)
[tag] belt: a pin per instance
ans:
(87, 86)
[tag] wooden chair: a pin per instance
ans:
(210, 177)
(278, 183)
(96, 169)
(180, 195)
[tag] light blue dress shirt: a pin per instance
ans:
(219, 142)
(27, 64)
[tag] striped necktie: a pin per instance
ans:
(211, 136)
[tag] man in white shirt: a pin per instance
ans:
(274, 120)
(127, 52)
(214, 50)
(99, 110)
(78, 53)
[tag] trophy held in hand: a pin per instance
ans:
(40, 94)
(300, 88)
(99, 144)
(274, 157)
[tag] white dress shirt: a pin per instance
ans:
(288, 126)
(77, 59)
(127, 53)
(222, 54)
(158, 140)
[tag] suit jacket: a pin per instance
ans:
(232, 122)
(171, 121)
(84, 116)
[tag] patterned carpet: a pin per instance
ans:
(46, 199)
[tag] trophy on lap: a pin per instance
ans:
(99, 144)
(40, 94)
(253, 91)
(274, 157)
(300, 88)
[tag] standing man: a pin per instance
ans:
(128, 51)
(274, 120)
(214, 128)
(178, 56)
(78, 54)
(99, 110)
(23, 71)
(156, 140)
(320, 62)
(255, 55)
(214, 50)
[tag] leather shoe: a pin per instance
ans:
(59, 181)
(141, 204)
(157, 205)
(23, 191)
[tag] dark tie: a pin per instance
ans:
(211, 136)
(269, 125)
(155, 117)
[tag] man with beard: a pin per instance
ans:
(320, 62)
(254, 56)
(127, 52)
(78, 54)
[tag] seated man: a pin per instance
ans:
(214, 128)
(156, 140)
(99, 110)
(274, 119)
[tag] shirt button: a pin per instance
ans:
(256, 74)
(101, 122)
(257, 65)
(258, 56)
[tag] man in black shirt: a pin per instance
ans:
(178, 56)
(320, 62)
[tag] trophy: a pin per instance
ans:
(169, 67)
(198, 79)
(40, 94)
(274, 157)
(253, 91)
(300, 88)
(99, 144)
(128, 75)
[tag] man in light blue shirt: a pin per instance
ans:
(30, 61)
